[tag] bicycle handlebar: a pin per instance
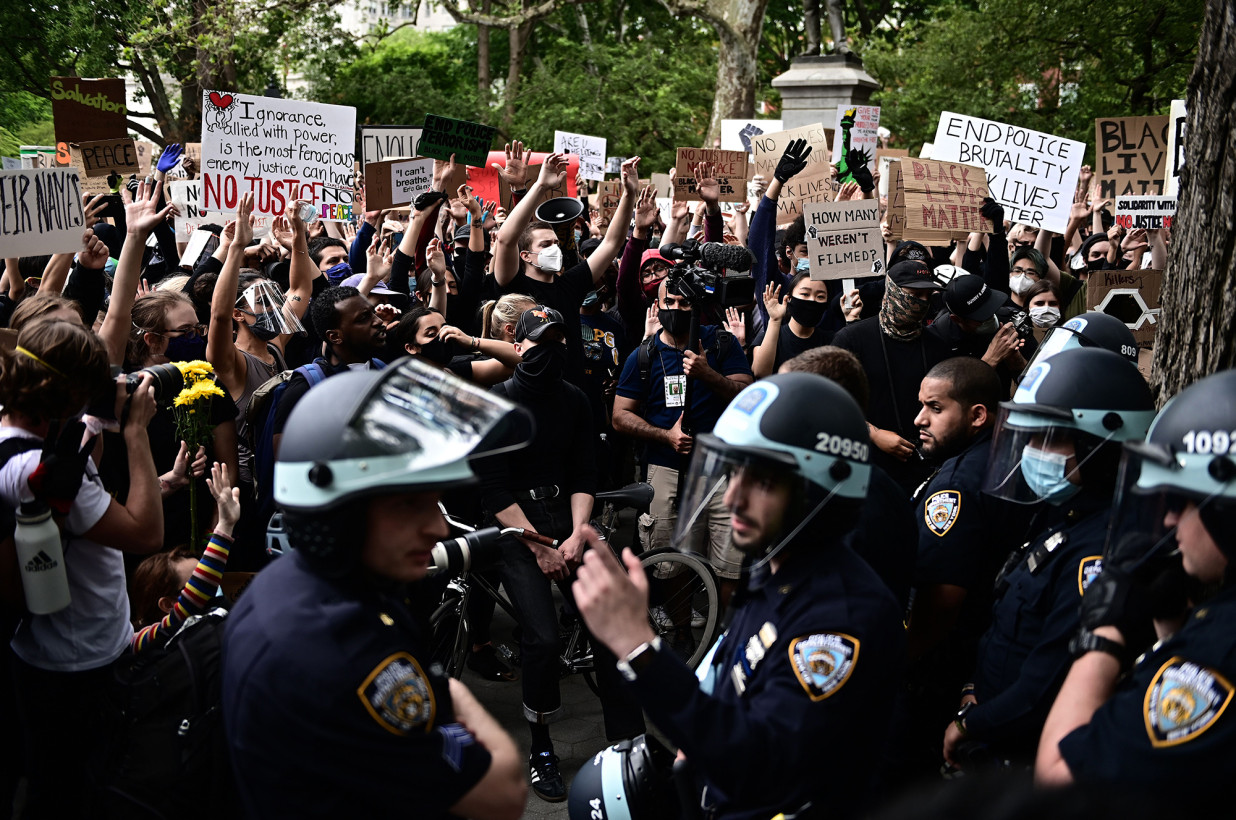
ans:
(535, 537)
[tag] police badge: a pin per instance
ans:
(824, 662)
(940, 511)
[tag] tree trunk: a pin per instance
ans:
(739, 25)
(1195, 335)
(483, 80)
(517, 36)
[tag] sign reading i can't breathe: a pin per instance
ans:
(280, 150)
(468, 141)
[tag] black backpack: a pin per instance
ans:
(167, 757)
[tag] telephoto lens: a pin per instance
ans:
(474, 550)
(168, 381)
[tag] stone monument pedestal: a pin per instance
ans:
(814, 86)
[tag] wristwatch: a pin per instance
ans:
(640, 659)
(960, 719)
(1086, 641)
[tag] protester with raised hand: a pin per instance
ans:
(142, 216)
(764, 224)
(410, 255)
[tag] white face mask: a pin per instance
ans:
(550, 259)
(1019, 283)
(1044, 316)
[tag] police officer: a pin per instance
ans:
(792, 704)
(1170, 722)
(964, 537)
(330, 707)
(1057, 442)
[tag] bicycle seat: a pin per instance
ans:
(638, 495)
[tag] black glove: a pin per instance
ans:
(793, 161)
(428, 199)
(58, 477)
(990, 209)
(860, 171)
(1120, 599)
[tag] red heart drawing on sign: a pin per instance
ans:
(220, 100)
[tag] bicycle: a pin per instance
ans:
(684, 605)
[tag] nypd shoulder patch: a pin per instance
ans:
(940, 511)
(1183, 701)
(398, 696)
(823, 662)
(1087, 570)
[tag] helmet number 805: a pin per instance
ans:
(841, 446)
(1218, 442)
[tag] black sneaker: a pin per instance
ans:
(486, 663)
(545, 778)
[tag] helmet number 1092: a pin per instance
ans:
(841, 446)
(1218, 442)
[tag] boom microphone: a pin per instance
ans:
(718, 255)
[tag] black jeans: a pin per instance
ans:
(540, 643)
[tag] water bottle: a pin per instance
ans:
(308, 213)
(41, 557)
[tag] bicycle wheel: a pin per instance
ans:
(685, 609)
(448, 641)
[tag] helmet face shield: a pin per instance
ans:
(1032, 459)
(263, 300)
(1145, 496)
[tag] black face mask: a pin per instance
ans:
(544, 363)
(677, 322)
(807, 312)
(437, 351)
(263, 326)
(186, 348)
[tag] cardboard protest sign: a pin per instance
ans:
(40, 212)
(40, 156)
(664, 184)
(766, 150)
(1132, 296)
(731, 173)
(396, 182)
(468, 141)
(187, 196)
(1032, 174)
(896, 214)
(864, 134)
(590, 150)
(281, 150)
(382, 142)
(883, 157)
(801, 191)
(609, 192)
(1149, 212)
(736, 135)
(98, 160)
(843, 239)
(942, 200)
(1175, 148)
(147, 153)
(1129, 155)
(86, 110)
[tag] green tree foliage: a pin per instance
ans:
(1052, 67)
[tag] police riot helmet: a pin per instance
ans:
(1189, 455)
(630, 780)
(408, 428)
(792, 424)
(1090, 329)
(1053, 438)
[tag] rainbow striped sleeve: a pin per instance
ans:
(196, 595)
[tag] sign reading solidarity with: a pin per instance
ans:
(1129, 155)
(468, 141)
(41, 211)
(1149, 212)
(1032, 174)
(843, 239)
(590, 150)
(87, 110)
(730, 171)
(280, 150)
(382, 142)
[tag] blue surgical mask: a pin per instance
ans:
(1045, 475)
(339, 272)
(802, 266)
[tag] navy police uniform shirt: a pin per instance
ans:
(330, 707)
(1024, 655)
(1171, 724)
(794, 706)
(656, 398)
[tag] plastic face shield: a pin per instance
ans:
(1020, 435)
(264, 301)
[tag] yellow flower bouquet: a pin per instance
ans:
(191, 409)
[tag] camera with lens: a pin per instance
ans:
(699, 273)
(166, 379)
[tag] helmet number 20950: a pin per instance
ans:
(1218, 442)
(841, 446)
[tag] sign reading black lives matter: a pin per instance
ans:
(468, 141)
(1032, 174)
(280, 150)
(40, 212)
(843, 239)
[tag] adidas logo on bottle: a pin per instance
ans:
(41, 562)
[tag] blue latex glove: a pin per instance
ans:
(171, 156)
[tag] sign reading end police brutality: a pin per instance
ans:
(1032, 174)
(843, 239)
(40, 212)
(280, 150)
